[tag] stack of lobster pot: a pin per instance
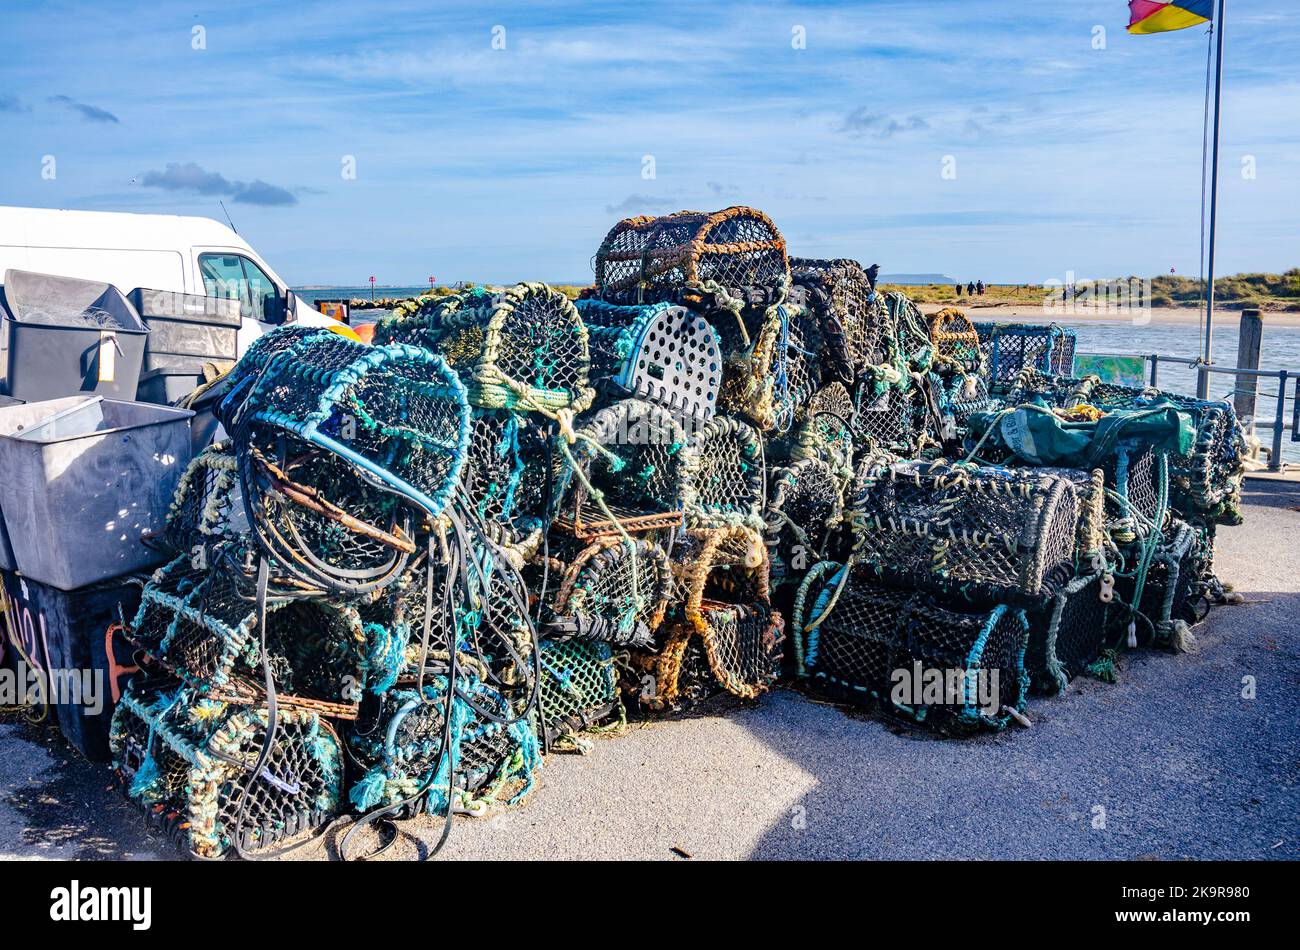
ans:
(963, 584)
(1173, 467)
(325, 562)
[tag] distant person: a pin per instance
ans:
(970, 289)
(1065, 293)
(979, 287)
(959, 290)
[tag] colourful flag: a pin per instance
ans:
(1150, 16)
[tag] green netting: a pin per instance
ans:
(579, 687)
(524, 348)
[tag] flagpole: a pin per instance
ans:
(1203, 377)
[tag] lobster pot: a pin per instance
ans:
(853, 324)
(650, 259)
(803, 514)
(203, 628)
(187, 763)
(618, 590)
(525, 348)
(723, 584)
(207, 506)
(887, 422)
(913, 349)
(237, 384)
(423, 596)
(902, 650)
(736, 648)
(1011, 348)
(1207, 479)
(823, 429)
(1094, 547)
(637, 456)
(984, 534)
(1138, 475)
(1168, 598)
(338, 444)
(660, 353)
(1058, 392)
(960, 396)
(768, 362)
(725, 482)
(579, 688)
(494, 465)
(399, 742)
(956, 342)
(1068, 633)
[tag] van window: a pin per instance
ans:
(236, 277)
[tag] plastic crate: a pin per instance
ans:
(68, 336)
(187, 330)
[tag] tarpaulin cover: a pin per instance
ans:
(1040, 437)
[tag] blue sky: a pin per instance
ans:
(504, 164)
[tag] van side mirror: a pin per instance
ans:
(277, 309)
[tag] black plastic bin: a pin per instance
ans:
(67, 336)
(187, 330)
(163, 387)
(76, 635)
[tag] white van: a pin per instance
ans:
(153, 251)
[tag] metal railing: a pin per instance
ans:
(1278, 425)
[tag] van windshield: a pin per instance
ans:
(237, 278)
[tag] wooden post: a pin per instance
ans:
(1248, 346)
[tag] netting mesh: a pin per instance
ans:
(1168, 596)
(1009, 349)
(525, 348)
(206, 505)
(804, 510)
(337, 443)
(1207, 478)
(854, 325)
(726, 474)
(1067, 634)
(648, 259)
(494, 465)
(202, 624)
(887, 422)
(824, 429)
(965, 530)
(726, 634)
(579, 687)
(400, 740)
(902, 650)
(956, 342)
(186, 762)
